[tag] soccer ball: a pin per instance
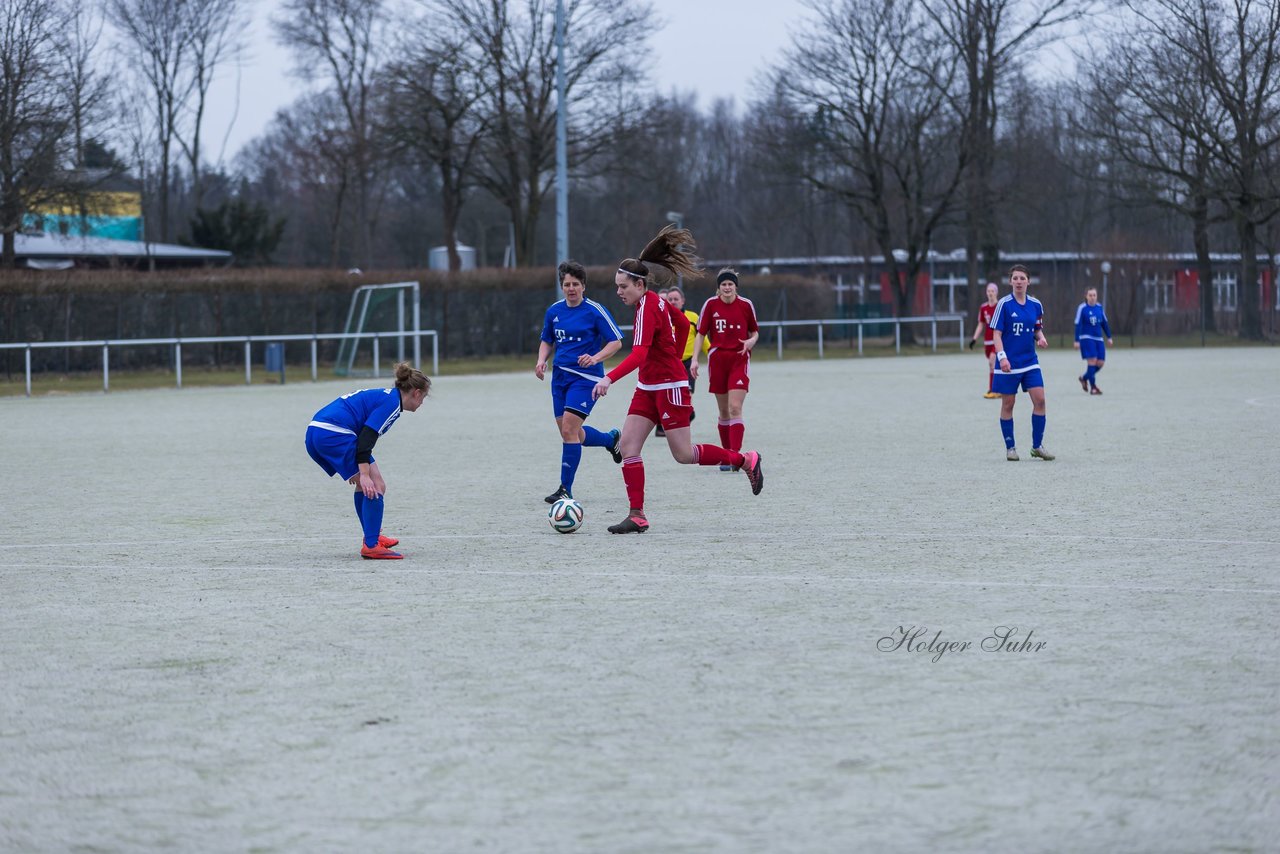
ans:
(565, 516)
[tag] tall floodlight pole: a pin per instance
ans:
(677, 218)
(562, 155)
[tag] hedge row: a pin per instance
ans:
(478, 313)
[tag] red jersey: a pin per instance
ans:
(985, 314)
(664, 331)
(727, 324)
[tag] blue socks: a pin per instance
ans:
(1006, 427)
(1090, 373)
(570, 456)
(593, 438)
(370, 515)
(1037, 430)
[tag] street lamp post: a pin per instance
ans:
(1106, 270)
(678, 219)
(933, 308)
(562, 160)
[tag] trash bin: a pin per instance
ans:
(275, 358)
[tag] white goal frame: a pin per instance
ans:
(357, 316)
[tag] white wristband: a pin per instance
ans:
(1000, 357)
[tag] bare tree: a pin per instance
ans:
(314, 141)
(178, 45)
(342, 39)
(659, 159)
(1236, 46)
(606, 41)
(86, 85)
(1150, 115)
(35, 123)
(988, 38)
(864, 76)
(159, 39)
(214, 28)
(87, 92)
(432, 114)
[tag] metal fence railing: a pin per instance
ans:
(247, 340)
(779, 327)
(932, 319)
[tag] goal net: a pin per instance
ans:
(393, 308)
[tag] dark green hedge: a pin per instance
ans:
(478, 313)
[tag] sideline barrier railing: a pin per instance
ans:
(247, 340)
(932, 319)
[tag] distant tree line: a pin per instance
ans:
(891, 127)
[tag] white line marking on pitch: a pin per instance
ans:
(699, 535)
(651, 576)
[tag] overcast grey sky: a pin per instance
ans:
(710, 47)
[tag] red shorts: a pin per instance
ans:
(727, 371)
(669, 407)
(988, 350)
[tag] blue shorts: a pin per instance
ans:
(1002, 383)
(572, 393)
(1091, 349)
(333, 452)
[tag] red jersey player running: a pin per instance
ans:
(729, 322)
(662, 387)
(985, 314)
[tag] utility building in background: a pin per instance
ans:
(112, 209)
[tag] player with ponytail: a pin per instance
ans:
(662, 386)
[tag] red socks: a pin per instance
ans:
(713, 455)
(633, 477)
(731, 432)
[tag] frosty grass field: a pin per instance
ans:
(194, 658)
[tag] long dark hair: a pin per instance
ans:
(672, 249)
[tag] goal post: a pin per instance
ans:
(392, 307)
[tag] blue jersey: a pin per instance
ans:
(583, 329)
(1018, 325)
(377, 408)
(1091, 322)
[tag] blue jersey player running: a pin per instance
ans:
(583, 336)
(1017, 330)
(341, 436)
(1093, 333)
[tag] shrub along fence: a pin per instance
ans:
(478, 313)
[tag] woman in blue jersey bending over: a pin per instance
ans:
(340, 438)
(583, 335)
(1017, 330)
